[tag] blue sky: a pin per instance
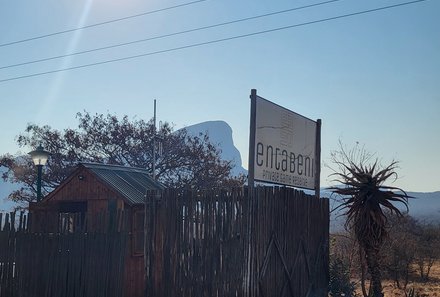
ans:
(372, 78)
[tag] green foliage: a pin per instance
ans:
(340, 284)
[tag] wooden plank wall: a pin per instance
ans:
(66, 264)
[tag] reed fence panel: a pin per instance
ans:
(70, 263)
(271, 242)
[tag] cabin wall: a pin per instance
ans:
(81, 187)
(84, 186)
(134, 265)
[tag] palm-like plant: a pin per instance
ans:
(365, 199)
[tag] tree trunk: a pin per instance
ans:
(362, 260)
(372, 256)
(428, 270)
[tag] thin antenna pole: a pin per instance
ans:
(149, 208)
(154, 143)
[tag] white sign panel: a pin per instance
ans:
(285, 144)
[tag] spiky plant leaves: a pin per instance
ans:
(365, 200)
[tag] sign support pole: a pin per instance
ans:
(251, 192)
(251, 157)
(318, 159)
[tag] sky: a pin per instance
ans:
(373, 78)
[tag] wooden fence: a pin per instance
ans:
(76, 262)
(273, 242)
(289, 243)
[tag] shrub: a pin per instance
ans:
(340, 284)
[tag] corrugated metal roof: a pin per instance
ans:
(130, 182)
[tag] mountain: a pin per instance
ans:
(424, 207)
(220, 133)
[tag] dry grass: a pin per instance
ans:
(425, 289)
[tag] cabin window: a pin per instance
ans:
(72, 216)
(138, 233)
(112, 205)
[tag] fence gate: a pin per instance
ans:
(228, 243)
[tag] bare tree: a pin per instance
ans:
(398, 257)
(428, 249)
(186, 161)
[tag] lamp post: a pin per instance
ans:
(39, 157)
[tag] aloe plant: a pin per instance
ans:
(365, 199)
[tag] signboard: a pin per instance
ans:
(285, 149)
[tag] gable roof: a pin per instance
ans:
(130, 182)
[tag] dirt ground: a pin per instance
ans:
(424, 289)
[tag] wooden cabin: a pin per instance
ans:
(96, 188)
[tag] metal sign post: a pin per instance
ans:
(318, 159)
(251, 189)
(251, 157)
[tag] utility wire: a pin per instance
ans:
(101, 23)
(215, 41)
(168, 35)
